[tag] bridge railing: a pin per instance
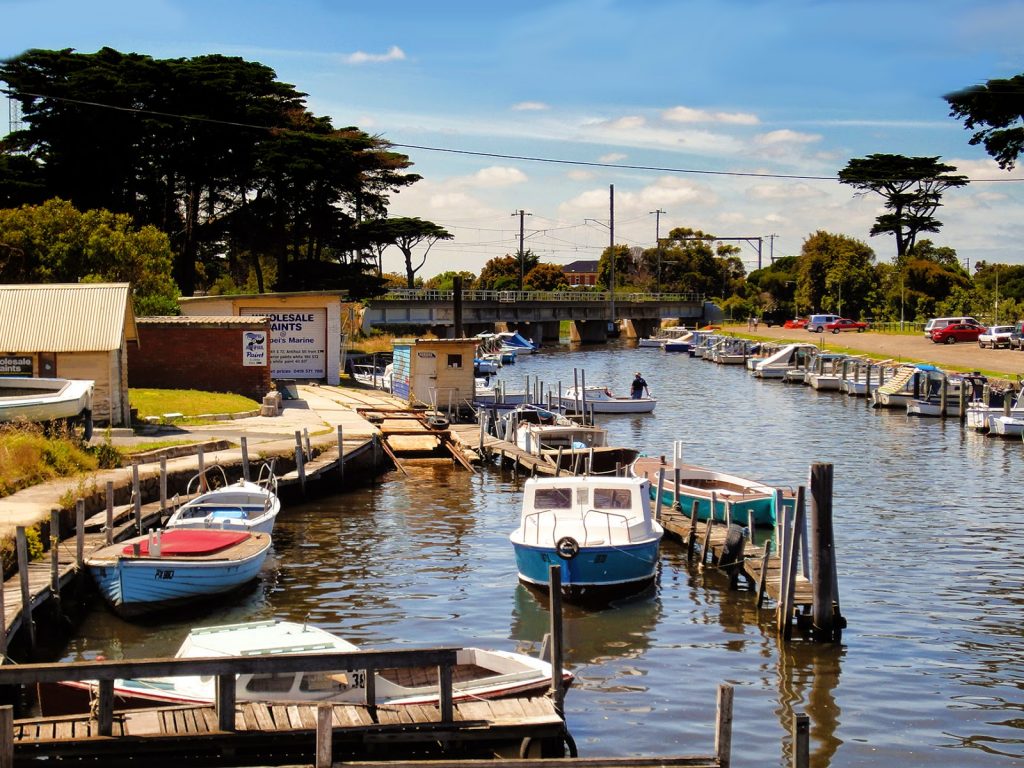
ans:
(511, 297)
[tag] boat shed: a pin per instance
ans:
(305, 329)
(71, 331)
(435, 372)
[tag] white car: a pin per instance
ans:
(996, 336)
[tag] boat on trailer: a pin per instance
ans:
(478, 674)
(599, 531)
(25, 398)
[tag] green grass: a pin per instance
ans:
(188, 402)
(29, 456)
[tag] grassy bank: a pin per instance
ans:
(29, 456)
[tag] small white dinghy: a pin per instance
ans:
(478, 674)
(603, 400)
(245, 505)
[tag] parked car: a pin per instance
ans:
(951, 334)
(996, 336)
(845, 324)
(817, 323)
(796, 322)
(1015, 337)
(937, 323)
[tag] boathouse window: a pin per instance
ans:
(553, 498)
(454, 361)
(612, 498)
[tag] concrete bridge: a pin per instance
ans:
(536, 314)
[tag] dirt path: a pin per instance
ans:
(967, 357)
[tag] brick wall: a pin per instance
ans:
(181, 353)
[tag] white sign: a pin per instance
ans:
(254, 348)
(298, 336)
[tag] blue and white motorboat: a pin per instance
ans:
(241, 506)
(167, 569)
(516, 342)
(599, 530)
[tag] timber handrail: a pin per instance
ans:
(225, 669)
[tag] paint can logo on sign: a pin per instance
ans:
(254, 348)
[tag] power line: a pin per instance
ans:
(471, 153)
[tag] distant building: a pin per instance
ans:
(581, 273)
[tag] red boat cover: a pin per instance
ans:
(191, 542)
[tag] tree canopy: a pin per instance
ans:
(912, 189)
(995, 112)
(214, 150)
(56, 243)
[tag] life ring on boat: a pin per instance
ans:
(567, 547)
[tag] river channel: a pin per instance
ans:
(929, 530)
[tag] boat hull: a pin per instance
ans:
(595, 572)
(135, 586)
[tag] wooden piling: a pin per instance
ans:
(341, 448)
(300, 463)
(7, 736)
(137, 496)
(555, 601)
(80, 534)
(706, 545)
(21, 546)
(245, 457)
(825, 590)
(801, 741)
(225, 702)
(723, 726)
(309, 445)
(661, 488)
(691, 538)
(944, 396)
(163, 487)
(55, 553)
(962, 402)
(324, 735)
(105, 708)
(110, 512)
(3, 634)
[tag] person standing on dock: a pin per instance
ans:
(638, 387)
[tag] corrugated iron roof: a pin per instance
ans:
(227, 320)
(57, 317)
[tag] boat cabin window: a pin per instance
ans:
(553, 498)
(612, 498)
(270, 683)
(323, 682)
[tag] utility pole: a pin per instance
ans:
(771, 248)
(522, 254)
(611, 233)
(657, 243)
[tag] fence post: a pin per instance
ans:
(555, 601)
(723, 726)
(21, 545)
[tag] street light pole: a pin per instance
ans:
(611, 241)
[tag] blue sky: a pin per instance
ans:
(772, 87)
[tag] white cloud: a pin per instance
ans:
(580, 175)
(530, 106)
(494, 177)
(361, 57)
(627, 123)
(786, 136)
(612, 157)
(689, 115)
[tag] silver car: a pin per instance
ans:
(996, 336)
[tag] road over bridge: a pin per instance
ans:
(535, 314)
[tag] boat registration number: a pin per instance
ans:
(164, 574)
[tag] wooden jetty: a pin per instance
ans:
(798, 575)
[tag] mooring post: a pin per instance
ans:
(750, 526)
(785, 539)
(300, 464)
(723, 726)
(309, 445)
(110, 512)
(7, 736)
(825, 590)
(691, 539)
(341, 452)
(137, 496)
(201, 455)
(55, 554)
(3, 627)
(80, 534)
(21, 546)
(445, 695)
(555, 601)
(105, 708)
(943, 395)
(801, 741)
(245, 458)
(225, 703)
(324, 734)
(661, 489)
(163, 488)
(962, 402)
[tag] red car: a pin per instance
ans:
(800, 322)
(951, 334)
(843, 324)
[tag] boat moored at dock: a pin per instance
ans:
(245, 505)
(599, 530)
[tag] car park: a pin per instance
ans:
(845, 324)
(951, 334)
(817, 323)
(937, 323)
(996, 336)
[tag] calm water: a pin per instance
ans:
(929, 536)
